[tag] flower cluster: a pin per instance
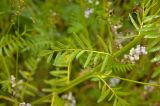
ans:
(113, 82)
(25, 104)
(135, 53)
(91, 1)
(70, 99)
(16, 87)
(13, 81)
(20, 7)
(88, 12)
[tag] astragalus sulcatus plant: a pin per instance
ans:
(82, 52)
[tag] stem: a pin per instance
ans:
(16, 65)
(86, 50)
(69, 71)
(78, 80)
(133, 81)
(8, 99)
(75, 82)
(107, 86)
(40, 100)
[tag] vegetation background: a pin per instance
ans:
(79, 52)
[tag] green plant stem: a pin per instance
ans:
(69, 71)
(107, 85)
(86, 50)
(133, 81)
(80, 79)
(40, 100)
(17, 56)
(75, 82)
(8, 99)
(110, 40)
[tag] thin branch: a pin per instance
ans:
(133, 81)
(8, 99)
(107, 85)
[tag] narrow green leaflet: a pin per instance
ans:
(57, 101)
(152, 36)
(49, 57)
(156, 58)
(153, 44)
(99, 84)
(154, 49)
(104, 94)
(57, 82)
(60, 73)
(133, 22)
(120, 93)
(104, 63)
(103, 43)
(11, 48)
(60, 45)
(61, 59)
(88, 59)
(156, 73)
(121, 102)
(73, 55)
(57, 59)
(96, 58)
(6, 51)
(79, 41)
(79, 54)
(115, 102)
(110, 98)
(86, 41)
(148, 8)
(147, 3)
(139, 18)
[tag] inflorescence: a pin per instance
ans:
(135, 53)
(70, 99)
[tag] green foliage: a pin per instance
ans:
(51, 47)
